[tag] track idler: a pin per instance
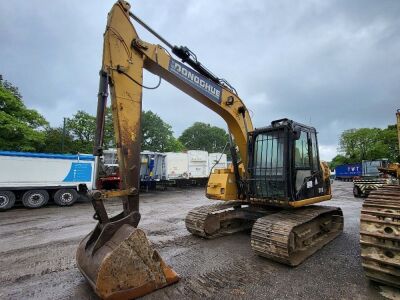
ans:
(117, 259)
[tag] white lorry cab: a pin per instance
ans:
(36, 178)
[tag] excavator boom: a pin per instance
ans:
(116, 257)
(277, 167)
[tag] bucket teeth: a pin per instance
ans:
(125, 267)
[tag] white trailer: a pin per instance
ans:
(36, 178)
(217, 161)
(176, 166)
(198, 164)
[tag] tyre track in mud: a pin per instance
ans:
(37, 249)
(40, 272)
(37, 255)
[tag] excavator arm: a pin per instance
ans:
(116, 257)
(124, 58)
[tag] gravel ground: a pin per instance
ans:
(37, 255)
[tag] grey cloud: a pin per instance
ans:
(334, 64)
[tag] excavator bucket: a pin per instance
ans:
(116, 257)
(124, 266)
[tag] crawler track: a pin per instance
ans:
(291, 236)
(286, 236)
(380, 235)
(220, 219)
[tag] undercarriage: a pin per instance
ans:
(285, 236)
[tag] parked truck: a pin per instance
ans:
(152, 169)
(109, 171)
(192, 167)
(198, 166)
(36, 178)
(370, 178)
(348, 172)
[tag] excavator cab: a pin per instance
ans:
(284, 163)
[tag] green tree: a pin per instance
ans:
(82, 128)
(389, 138)
(369, 144)
(338, 160)
(80, 133)
(158, 135)
(109, 140)
(21, 129)
(53, 141)
(202, 136)
(360, 144)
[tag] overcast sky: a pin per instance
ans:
(332, 64)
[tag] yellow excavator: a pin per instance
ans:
(275, 176)
(380, 227)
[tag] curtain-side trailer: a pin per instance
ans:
(36, 178)
(348, 172)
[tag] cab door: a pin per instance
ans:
(308, 176)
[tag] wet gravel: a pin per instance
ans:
(37, 255)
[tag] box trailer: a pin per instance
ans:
(348, 171)
(36, 178)
(198, 164)
(217, 161)
(152, 166)
(370, 167)
(176, 166)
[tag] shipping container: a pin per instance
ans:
(370, 167)
(36, 178)
(348, 172)
(176, 165)
(198, 164)
(217, 161)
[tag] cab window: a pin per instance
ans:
(302, 153)
(315, 159)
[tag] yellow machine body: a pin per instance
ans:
(222, 185)
(116, 257)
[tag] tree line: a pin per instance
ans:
(25, 129)
(356, 145)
